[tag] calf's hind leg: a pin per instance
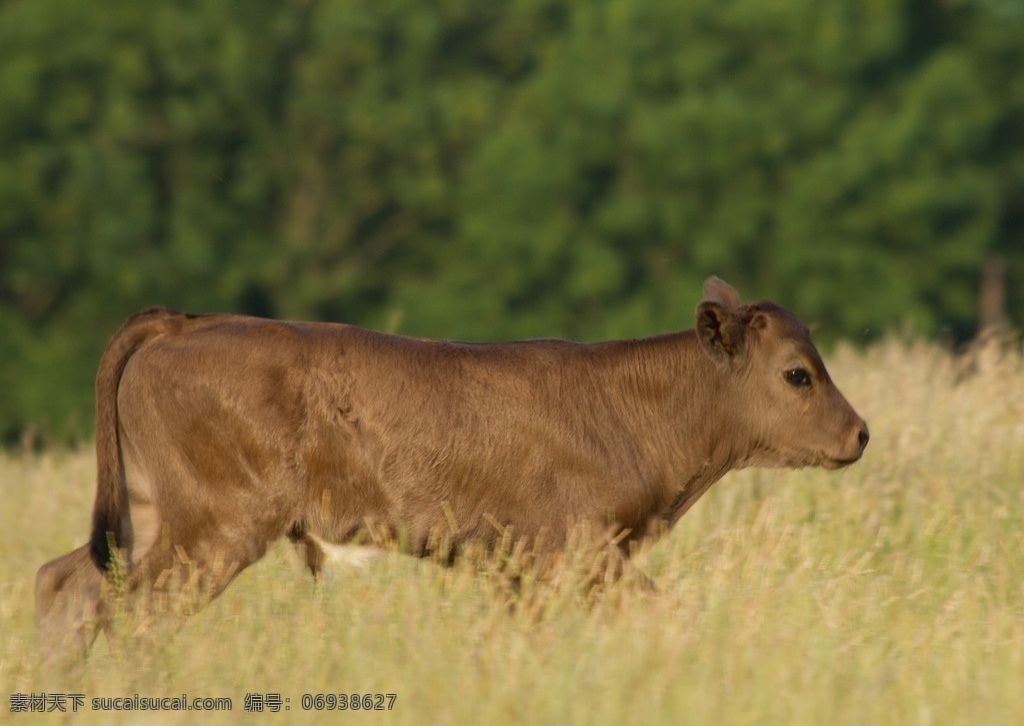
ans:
(187, 574)
(71, 606)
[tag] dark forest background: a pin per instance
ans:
(492, 170)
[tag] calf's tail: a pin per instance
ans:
(109, 509)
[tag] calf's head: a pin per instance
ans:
(782, 399)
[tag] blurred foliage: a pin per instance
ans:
(496, 170)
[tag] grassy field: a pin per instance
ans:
(888, 593)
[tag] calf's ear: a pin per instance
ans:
(721, 333)
(718, 290)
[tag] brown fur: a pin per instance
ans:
(218, 434)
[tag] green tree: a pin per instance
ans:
(484, 170)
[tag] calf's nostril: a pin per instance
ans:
(863, 438)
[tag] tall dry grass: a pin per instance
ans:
(889, 593)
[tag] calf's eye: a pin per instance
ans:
(798, 377)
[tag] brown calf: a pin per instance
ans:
(218, 434)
